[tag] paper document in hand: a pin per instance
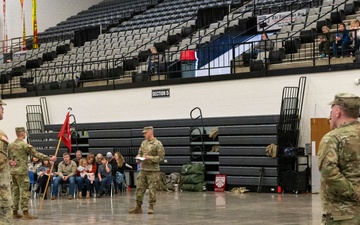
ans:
(140, 158)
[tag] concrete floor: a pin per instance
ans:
(183, 208)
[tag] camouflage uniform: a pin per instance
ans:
(339, 165)
(19, 152)
(6, 216)
(149, 172)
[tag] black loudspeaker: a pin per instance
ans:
(308, 36)
(23, 82)
(276, 56)
(246, 58)
(290, 47)
(140, 77)
(256, 65)
(161, 46)
(143, 56)
(4, 78)
(130, 64)
(174, 38)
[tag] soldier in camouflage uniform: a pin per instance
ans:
(18, 156)
(5, 191)
(151, 153)
(339, 163)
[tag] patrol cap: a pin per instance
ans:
(109, 155)
(2, 102)
(146, 129)
(346, 100)
(19, 129)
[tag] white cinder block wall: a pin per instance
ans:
(259, 96)
(49, 13)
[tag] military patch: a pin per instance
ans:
(4, 139)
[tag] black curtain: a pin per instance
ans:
(88, 34)
(206, 16)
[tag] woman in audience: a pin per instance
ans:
(98, 159)
(325, 40)
(43, 172)
(85, 173)
(120, 170)
(33, 166)
(262, 49)
(342, 39)
(355, 33)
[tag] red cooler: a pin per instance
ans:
(188, 63)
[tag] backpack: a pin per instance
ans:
(119, 177)
(171, 180)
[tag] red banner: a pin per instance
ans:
(5, 46)
(65, 133)
(23, 25)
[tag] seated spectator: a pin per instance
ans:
(111, 160)
(98, 159)
(120, 169)
(104, 176)
(86, 173)
(325, 40)
(66, 174)
(355, 32)
(43, 174)
(261, 50)
(34, 165)
(153, 60)
(78, 157)
(342, 39)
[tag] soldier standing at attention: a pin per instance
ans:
(339, 163)
(18, 156)
(151, 153)
(5, 191)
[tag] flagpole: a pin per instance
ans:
(49, 176)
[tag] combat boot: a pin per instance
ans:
(16, 215)
(136, 210)
(151, 209)
(88, 194)
(28, 216)
(80, 195)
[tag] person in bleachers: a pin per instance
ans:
(342, 39)
(261, 50)
(85, 173)
(78, 157)
(43, 174)
(103, 177)
(153, 60)
(325, 41)
(355, 33)
(66, 174)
